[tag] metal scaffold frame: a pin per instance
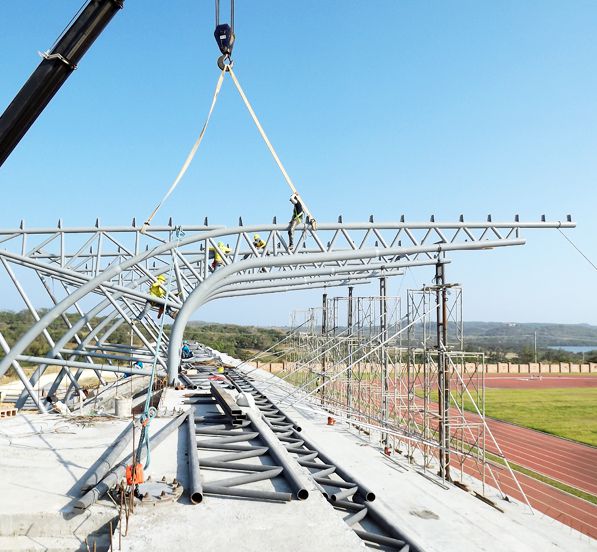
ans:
(405, 381)
(95, 280)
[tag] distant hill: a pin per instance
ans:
(239, 341)
(516, 333)
(498, 340)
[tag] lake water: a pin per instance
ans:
(575, 348)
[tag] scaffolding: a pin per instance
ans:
(404, 380)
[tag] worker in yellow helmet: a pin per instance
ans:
(158, 289)
(221, 249)
(258, 243)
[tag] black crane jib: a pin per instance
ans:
(52, 72)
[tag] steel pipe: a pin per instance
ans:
(367, 494)
(77, 364)
(360, 515)
(384, 541)
(225, 230)
(259, 451)
(195, 487)
(246, 493)
(202, 293)
(114, 476)
(278, 453)
(236, 466)
(109, 458)
(187, 381)
(250, 477)
(378, 517)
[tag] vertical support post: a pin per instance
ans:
(350, 351)
(443, 372)
(383, 324)
(324, 329)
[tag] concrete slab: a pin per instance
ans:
(438, 518)
(219, 524)
(224, 523)
(43, 457)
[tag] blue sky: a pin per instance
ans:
(377, 107)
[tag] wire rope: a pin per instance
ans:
(578, 249)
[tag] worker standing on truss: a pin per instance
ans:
(258, 244)
(297, 217)
(157, 289)
(218, 251)
(225, 37)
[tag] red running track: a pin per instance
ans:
(566, 461)
(567, 509)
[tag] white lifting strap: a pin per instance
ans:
(269, 146)
(192, 153)
(183, 170)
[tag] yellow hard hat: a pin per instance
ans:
(256, 237)
(161, 278)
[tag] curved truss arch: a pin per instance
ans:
(104, 271)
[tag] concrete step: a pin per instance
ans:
(48, 525)
(53, 544)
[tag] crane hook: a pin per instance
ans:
(224, 35)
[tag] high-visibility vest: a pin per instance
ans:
(157, 290)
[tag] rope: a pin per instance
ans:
(191, 155)
(149, 412)
(575, 247)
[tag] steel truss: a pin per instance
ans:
(95, 281)
(349, 496)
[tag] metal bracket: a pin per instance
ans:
(60, 57)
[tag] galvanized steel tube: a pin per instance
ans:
(195, 488)
(247, 493)
(364, 491)
(111, 456)
(118, 472)
(297, 482)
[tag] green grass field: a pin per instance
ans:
(569, 413)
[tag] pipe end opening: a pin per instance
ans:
(303, 494)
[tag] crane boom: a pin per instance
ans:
(55, 67)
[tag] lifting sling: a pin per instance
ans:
(224, 35)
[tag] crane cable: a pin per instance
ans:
(228, 69)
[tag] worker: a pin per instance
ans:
(258, 243)
(297, 218)
(158, 289)
(186, 350)
(217, 252)
(137, 364)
